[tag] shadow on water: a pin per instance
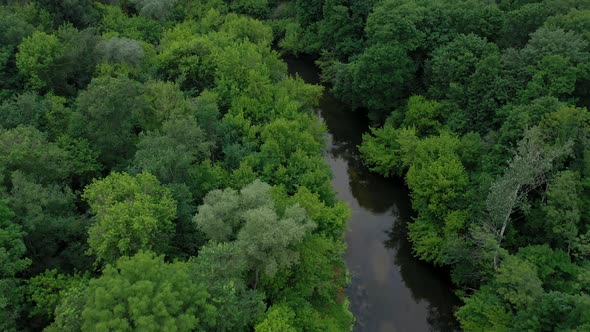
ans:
(390, 289)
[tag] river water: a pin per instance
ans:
(390, 291)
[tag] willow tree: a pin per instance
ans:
(525, 173)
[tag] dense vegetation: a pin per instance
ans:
(482, 106)
(160, 171)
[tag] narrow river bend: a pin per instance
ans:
(390, 289)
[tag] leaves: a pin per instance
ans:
(132, 214)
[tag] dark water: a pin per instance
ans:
(390, 289)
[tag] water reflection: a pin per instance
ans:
(390, 289)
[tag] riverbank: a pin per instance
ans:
(390, 290)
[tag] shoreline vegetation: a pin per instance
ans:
(482, 106)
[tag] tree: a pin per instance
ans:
(380, 93)
(80, 12)
(62, 62)
(265, 239)
(525, 172)
(47, 289)
(29, 151)
(55, 234)
(392, 21)
(36, 54)
(278, 318)
(254, 8)
(330, 219)
(269, 243)
(436, 176)
(515, 288)
(341, 29)
(484, 309)
(563, 209)
(454, 63)
(553, 76)
(116, 21)
(172, 153)
(25, 109)
(522, 21)
(155, 9)
(423, 115)
(68, 312)
(131, 213)
(145, 293)
(14, 26)
(383, 150)
(188, 62)
(222, 269)
(12, 262)
(575, 20)
(122, 50)
(290, 156)
(218, 216)
(544, 42)
(107, 114)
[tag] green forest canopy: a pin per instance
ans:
(159, 170)
(482, 107)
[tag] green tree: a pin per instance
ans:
(484, 310)
(278, 318)
(68, 312)
(47, 289)
(377, 92)
(398, 22)
(28, 150)
(453, 64)
(14, 27)
(25, 109)
(62, 62)
(563, 209)
(108, 114)
(172, 153)
(222, 269)
(423, 115)
(131, 213)
(36, 54)
(122, 50)
(145, 293)
(12, 262)
(55, 233)
(385, 149)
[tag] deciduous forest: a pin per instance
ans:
(161, 171)
(482, 107)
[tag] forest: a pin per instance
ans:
(161, 171)
(481, 106)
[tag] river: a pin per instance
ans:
(390, 290)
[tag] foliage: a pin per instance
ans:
(118, 119)
(132, 213)
(265, 240)
(493, 154)
(12, 250)
(144, 292)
